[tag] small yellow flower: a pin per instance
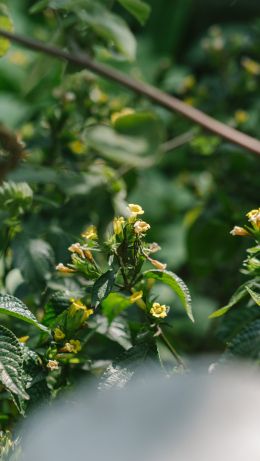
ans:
(90, 233)
(53, 365)
(254, 218)
(77, 147)
(76, 305)
(118, 225)
(75, 343)
(58, 334)
(23, 339)
(18, 58)
(241, 116)
(141, 227)
(240, 231)
(87, 314)
(76, 248)
(136, 296)
(154, 247)
(251, 66)
(64, 269)
(157, 264)
(159, 311)
(135, 209)
(67, 348)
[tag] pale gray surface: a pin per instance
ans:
(195, 417)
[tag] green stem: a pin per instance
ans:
(170, 347)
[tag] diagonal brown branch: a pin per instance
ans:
(144, 89)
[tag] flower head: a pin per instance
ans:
(118, 225)
(58, 334)
(153, 247)
(135, 209)
(157, 264)
(254, 218)
(90, 233)
(53, 365)
(140, 227)
(75, 343)
(76, 248)
(159, 311)
(64, 269)
(240, 231)
(136, 296)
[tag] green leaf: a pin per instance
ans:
(139, 9)
(246, 343)
(5, 24)
(102, 287)
(177, 285)
(255, 296)
(10, 305)
(35, 259)
(239, 294)
(125, 367)
(117, 331)
(122, 149)
(114, 304)
(11, 363)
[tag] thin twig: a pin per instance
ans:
(144, 89)
(178, 141)
(170, 347)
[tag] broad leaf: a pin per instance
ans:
(117, 331)
(139, 9)
(12, 306)
(177, 285)
(11, 362)
(102, 288)
(35, 259)
(114, 304)
(121, 371)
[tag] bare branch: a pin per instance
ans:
(144, 89)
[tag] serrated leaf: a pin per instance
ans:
(246, 343)
(121, 371)
(255, 296)
(11, 305)
(5, 24)
(139, 9)
(114, 304)
(177, 285)
(11, 362)
(102, 287)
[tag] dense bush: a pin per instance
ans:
(81, 292)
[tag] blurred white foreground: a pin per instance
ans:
(195, 417)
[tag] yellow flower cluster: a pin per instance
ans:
(90, 233)
(77, 305)
(73, 346)
(159, 311)
(118, 225)
(254, 219)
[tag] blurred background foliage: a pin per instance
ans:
(91, 145)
